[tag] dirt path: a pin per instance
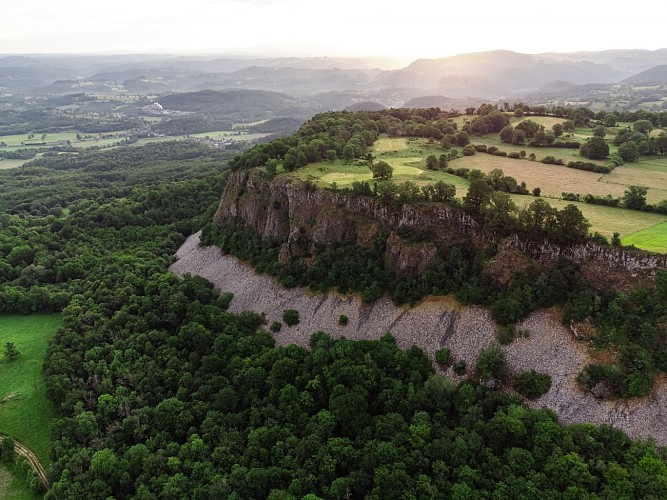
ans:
(432, 324)
(35, 464)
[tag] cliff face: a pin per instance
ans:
(284, 211)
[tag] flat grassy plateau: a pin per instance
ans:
(408, 158)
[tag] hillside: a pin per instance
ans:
(654, 76)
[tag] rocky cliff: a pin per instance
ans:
(288, 212)
(285, 211)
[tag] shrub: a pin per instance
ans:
(460, 367)
(552, 160)
(506, 335)
(500, 153)
(342, 320)
(276, 326)
(443, 356)
(291, 317)
(481, 148)
(566, 144)
(533, 384)
(7, 449)
(491, 149)
(469, 150)
(491, 364)
(514, 155)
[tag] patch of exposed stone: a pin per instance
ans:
(439, 322)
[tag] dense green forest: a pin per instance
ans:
(166, 395)
(67, 221)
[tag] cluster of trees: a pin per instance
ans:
(634, 198)
(164, 394)
(346, 136)
(94, 210)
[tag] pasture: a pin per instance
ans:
(408, 158)
(13, 487)
(652, 238)
(24, 411)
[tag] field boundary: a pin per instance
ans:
(34, 462)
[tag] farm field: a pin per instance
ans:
(229, 134)
(26, 413)
(652, 238)
(540, 152)
(408, 158)
(607, 220)
(7, 163)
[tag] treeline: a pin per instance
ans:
(343, 135)
(177, 398)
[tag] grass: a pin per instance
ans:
(6, 163)
(13, 487)
(28, 414)
(652, 238)
(606, 220)
(230, 134)
(408, 158)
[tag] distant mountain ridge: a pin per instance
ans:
(324, 83)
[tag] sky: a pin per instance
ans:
(401, 29)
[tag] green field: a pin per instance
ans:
(652, 238)
(608, 220)
(14, 488)
(12, 163)
(229, 134)
(408, 158)
(26, 413)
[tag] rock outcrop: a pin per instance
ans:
(288, 212)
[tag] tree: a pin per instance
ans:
(610, 120)
(291, 317)
(635, 197)
(491, 364)
(558, 129)
(600, 131)
(382, 170)
(479, 194)
(11, 352)
(569, 126)
(642, 126)
(629, 151)
(507, 134)
(595, 148)
(432, 162)
(533, 384)
(7, 449)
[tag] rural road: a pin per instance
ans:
(35, 464)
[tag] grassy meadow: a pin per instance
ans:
(13, 487)
(25, 412)
(408, 158)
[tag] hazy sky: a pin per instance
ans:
(405, 29)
